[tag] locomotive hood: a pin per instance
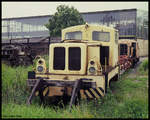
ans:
(68, 58)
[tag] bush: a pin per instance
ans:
(145, 65)
(143, 69)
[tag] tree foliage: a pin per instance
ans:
(64, 17)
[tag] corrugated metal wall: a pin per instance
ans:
(124, 21)
(129, 22)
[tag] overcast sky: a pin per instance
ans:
(23, 9)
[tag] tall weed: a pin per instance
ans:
(143, 68)
(127, 99)
(14, 86)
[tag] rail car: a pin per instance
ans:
(83, 64)
(22, 51)
(128, 53)
(17, 54)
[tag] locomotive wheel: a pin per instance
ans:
(78, 98)
(41, 96)
(66, 98)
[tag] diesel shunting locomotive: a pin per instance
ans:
(83, 64)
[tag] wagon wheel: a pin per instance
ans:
(25, 61)
(21, 61)
(14, 62)
(28, 61)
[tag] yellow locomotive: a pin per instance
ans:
(83, 64)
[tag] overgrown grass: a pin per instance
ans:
(14, 86)
(143, 69)
(128, 98)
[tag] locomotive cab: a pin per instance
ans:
(87, 53)
(84, 48)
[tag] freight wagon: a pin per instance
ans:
(128, 53)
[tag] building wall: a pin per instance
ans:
(124, 20)
(25, 27)
(143, 46)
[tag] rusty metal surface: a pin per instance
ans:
(17, 54)
(30, 46)
(125, 62)
(84, 85)
(31, 40)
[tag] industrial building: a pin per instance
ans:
(131, 23)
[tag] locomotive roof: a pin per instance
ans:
(88, 25)
(87, 30)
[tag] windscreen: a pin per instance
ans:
(74, 58)
(101, 36)
(59, 58)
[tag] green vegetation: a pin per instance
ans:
(143, 69)
(45, 57)
(64, 17)
(14, 83)
(128, 98)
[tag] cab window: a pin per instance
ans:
(123, 49)
(74, 35)
(101, 36)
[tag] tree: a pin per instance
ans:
(64, 17)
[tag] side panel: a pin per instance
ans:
(112, 74)
(93, 55)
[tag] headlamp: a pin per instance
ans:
(40, 68)
(40, 62)
(92, 70)
(92, 62)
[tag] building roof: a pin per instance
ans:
(134, 9)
